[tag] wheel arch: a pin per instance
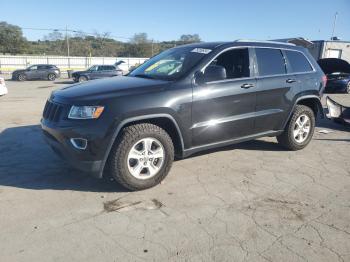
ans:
(311, 101)
(51, 73)
(165, 121)
(84, 75)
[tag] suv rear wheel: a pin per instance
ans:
(299, 130)
(142, 156)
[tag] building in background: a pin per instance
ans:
(323, 48)
(330, 49)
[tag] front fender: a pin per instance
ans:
(126, 121)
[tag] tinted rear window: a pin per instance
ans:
(298, 62)
(109, 68)
(270, 61)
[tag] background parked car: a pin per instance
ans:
(3, 89)
(96, 72)
(48, 72)
(338, 74)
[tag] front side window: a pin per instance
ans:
(298, 62)
(270, 61)
(93, 68)
(235, 62)
(171, 64)
(34, 67)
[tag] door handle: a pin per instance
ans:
(246, 86)
(290, 80)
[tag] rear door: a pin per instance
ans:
(43, 71)
(275, 89)
(224, 110)
(301, 69)
(110, 71)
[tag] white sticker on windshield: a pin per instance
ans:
(201, 51)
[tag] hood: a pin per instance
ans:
(332, 65)
(18, 71)
(107, 88)
(79, 72)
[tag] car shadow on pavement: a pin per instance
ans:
(333, 139)
(260, 145)
(332, 125)
(273, 145)
(66, 82)
(27, 162)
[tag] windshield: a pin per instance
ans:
(171, 64)
(93, 68)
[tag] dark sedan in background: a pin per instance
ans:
(47, 72)
(338, 75)
(97, 72)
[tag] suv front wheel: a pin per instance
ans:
(142, 157)
(299, 130)
(82, 79)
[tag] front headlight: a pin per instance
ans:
(85, 112)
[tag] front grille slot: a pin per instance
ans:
(52, 111)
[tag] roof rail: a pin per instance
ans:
(264, 41)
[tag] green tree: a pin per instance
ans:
(190, 38)
(54, 36)
(140, 46)
(11, 39)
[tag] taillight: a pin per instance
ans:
(324, 80)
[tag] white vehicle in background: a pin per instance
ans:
(3, 89)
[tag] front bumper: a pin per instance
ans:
(88, 160)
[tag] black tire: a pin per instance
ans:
(82, 79)
(286, 139)
(21, 77)
(51, 77)
(118, 159)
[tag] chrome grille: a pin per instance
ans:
(52, 111)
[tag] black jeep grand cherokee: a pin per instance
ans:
(184, 100)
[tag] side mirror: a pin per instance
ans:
(211, 73)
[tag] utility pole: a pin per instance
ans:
(67, 46)
(334, 23)
(67, 41)
(152, 47)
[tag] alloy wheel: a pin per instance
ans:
(145, 158)
(302, 128)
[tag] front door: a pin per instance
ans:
(224, 110)
(32, 72)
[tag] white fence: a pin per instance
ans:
(10, 63)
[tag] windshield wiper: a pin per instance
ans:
(144, 76)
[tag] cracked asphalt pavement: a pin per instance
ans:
(247, 202)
